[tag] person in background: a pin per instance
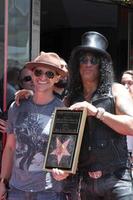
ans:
(127, 81)
(25, 79)
(26, 86)
(60, 88)
(104, 168)
(12, 85)
(22, 79)
(28, 133)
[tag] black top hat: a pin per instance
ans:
(93, 42)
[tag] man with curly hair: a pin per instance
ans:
(104, 169)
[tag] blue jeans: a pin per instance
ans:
(15, 194)
(115, 186)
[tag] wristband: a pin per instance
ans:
(100, 113)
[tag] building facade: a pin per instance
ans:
(29, 26)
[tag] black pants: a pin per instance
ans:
(115, 186)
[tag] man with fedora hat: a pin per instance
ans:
(60, 88)
(103, 168)
(28, 131)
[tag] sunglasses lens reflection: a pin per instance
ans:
(38, 72)
(50, 74)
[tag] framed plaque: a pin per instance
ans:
(65, 139)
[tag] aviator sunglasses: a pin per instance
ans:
(48, 74)
(27, 79)
(93, 60)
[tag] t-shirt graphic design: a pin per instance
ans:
(32, 130)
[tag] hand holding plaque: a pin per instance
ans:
(65, 140)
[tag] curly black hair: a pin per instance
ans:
(75, 87)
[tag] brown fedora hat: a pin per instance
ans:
(50, 60)
(93, 42)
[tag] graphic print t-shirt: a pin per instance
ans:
(31, 125)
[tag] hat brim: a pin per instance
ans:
(91, 49)
(32, 65)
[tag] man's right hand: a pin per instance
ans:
(22, 94)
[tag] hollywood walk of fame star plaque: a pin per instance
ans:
(65, 139)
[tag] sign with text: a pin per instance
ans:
(65, 139)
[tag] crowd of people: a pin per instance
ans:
(87, 82)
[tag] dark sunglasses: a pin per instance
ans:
(93, 60)
(48, 74)
(27, 79)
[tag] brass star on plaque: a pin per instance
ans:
(61, 150)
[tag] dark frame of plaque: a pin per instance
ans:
(65, 140)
